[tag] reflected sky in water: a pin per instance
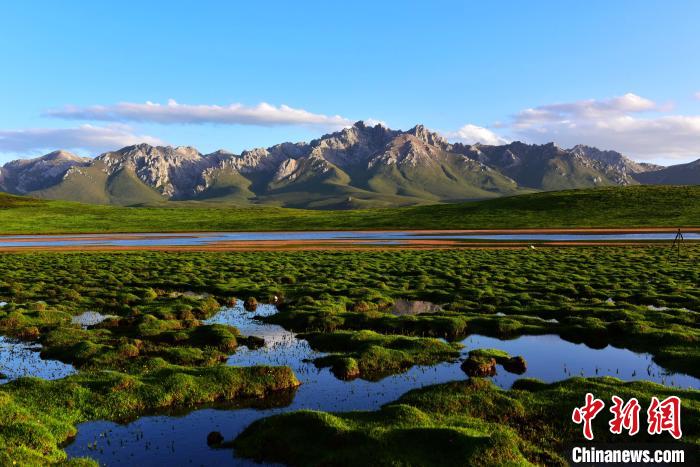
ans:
(372, 237)
(181, 440)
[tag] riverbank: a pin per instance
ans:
(359, 240)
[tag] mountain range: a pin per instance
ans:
(359, 166)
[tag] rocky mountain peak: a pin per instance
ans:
(609, 157)
(25, 175)
(172, 171)
(427, 136)
(62, 155)
(372, 160)
(147, 151)
(613, 159)
(352, 145)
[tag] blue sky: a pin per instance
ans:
(621, 75)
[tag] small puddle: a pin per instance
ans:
(177, 440)
(90, 318)
(403, 307)
(19, 359)
(189, 294)
(281, 346)
(551, 358)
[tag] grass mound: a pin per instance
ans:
(461, 423)
(372, 356)
(36, 416)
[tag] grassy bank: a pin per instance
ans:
(638, 206)
(37, 416)
(372, 356)
(461, 423)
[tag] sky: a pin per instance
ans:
(95, 76)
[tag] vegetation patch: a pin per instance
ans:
(38, 415)
(482, 362)
(372, 356)
(461, 423)
(157, 353)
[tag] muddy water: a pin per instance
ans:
(18, 359)
(181, 440)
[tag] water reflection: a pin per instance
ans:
(181, 440)
(371, 237)
(18, 359)
(90, 318)
(550, 358)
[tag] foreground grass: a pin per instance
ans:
(36, 416)
(637, 206)
(597, 295)
(461, 423)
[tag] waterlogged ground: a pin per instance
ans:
(386, 308)
(18, 359)
(181, 440)
(90, 318)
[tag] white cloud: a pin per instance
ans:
(174, 113)
(92, 139)
(375, 122)
(697, 95)
(585, 109)
(630, 124)
(471, 134)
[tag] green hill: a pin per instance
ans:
(636, 206)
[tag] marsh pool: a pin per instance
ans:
(181, 439)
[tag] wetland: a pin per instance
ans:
(198, 343)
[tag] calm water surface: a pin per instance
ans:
(385, 237)
(181, 440)
(90, 318)
(18, 359)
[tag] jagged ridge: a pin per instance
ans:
(356, 167)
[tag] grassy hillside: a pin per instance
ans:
(86, 185)
(638, 206)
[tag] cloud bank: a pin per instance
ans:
(472, 134)
(174, 113)
(631, 124)
(93, 139)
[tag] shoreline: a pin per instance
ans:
(342, 245)
(415, 240)
(8, 237)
